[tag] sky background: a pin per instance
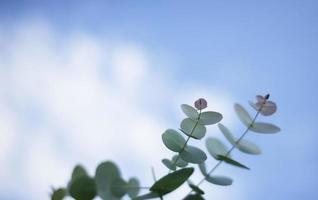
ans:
(88, 81)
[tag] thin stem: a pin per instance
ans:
(189, 136)
(233, 146)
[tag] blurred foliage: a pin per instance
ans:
(108, 183)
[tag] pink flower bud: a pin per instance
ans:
(200, 104)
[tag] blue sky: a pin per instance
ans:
(68, 67)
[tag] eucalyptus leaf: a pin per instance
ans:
(189, 111)
(244, 145)
(171, 181)
(133, 187)
(173, 140)
(179, 162)
(210, 117)
(83, 188)
(59, 194)
(231, 161)
(215, 147)
(196, 189)
(119, 187)
(262, 127)
(243, 115)
(192, 128)
(193, 154)
(151, 195)
(106, 173)
(169, 164)
(193, 197)
(78, 171)
(202, 168)
(219, 180)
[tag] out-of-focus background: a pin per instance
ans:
(87, 81)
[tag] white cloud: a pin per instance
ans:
(83, 115)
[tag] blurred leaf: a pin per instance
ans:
(193, 154)
(83, 188)
(231, 161)
(173, 140)
(219, 180)
(180, 162)
(119, 187)
(133, 187)
(58, 194)
(194, 197)
(261, 127)
(244, 145)
(106, 173)
(169, 164)
(215, 147)
(189, 111)
(78, 171)
(196, 189)
(187, 127)
(210, 117)
(202, 168)
(243, 115)
(171, 181)
(150, 195)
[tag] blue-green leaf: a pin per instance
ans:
(210, 117)
(119, 187)
(244, 145)
(215, 147)
(180, 162)
(243, 115)
(189, 111)
(133, 187)
(192, 128)
(58, 194)
(106, 173)
(220, 180)
(173, 140)
(193, 154)
(169, 164)
(261, 127)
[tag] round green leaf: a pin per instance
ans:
(171, 181)
(83, 188)
(119, 187)
(192, 128)
(189, 111)
(220, 180)
(133, 187)
(168, 164)
(215, 147)
(261, 127)
(210, 117)
(180, 163)
(193, 154)
(243, 115)
(173, 140)
(106, 173)
(244, 145)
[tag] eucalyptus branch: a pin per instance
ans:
(232, 148)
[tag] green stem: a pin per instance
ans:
(189, 136)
